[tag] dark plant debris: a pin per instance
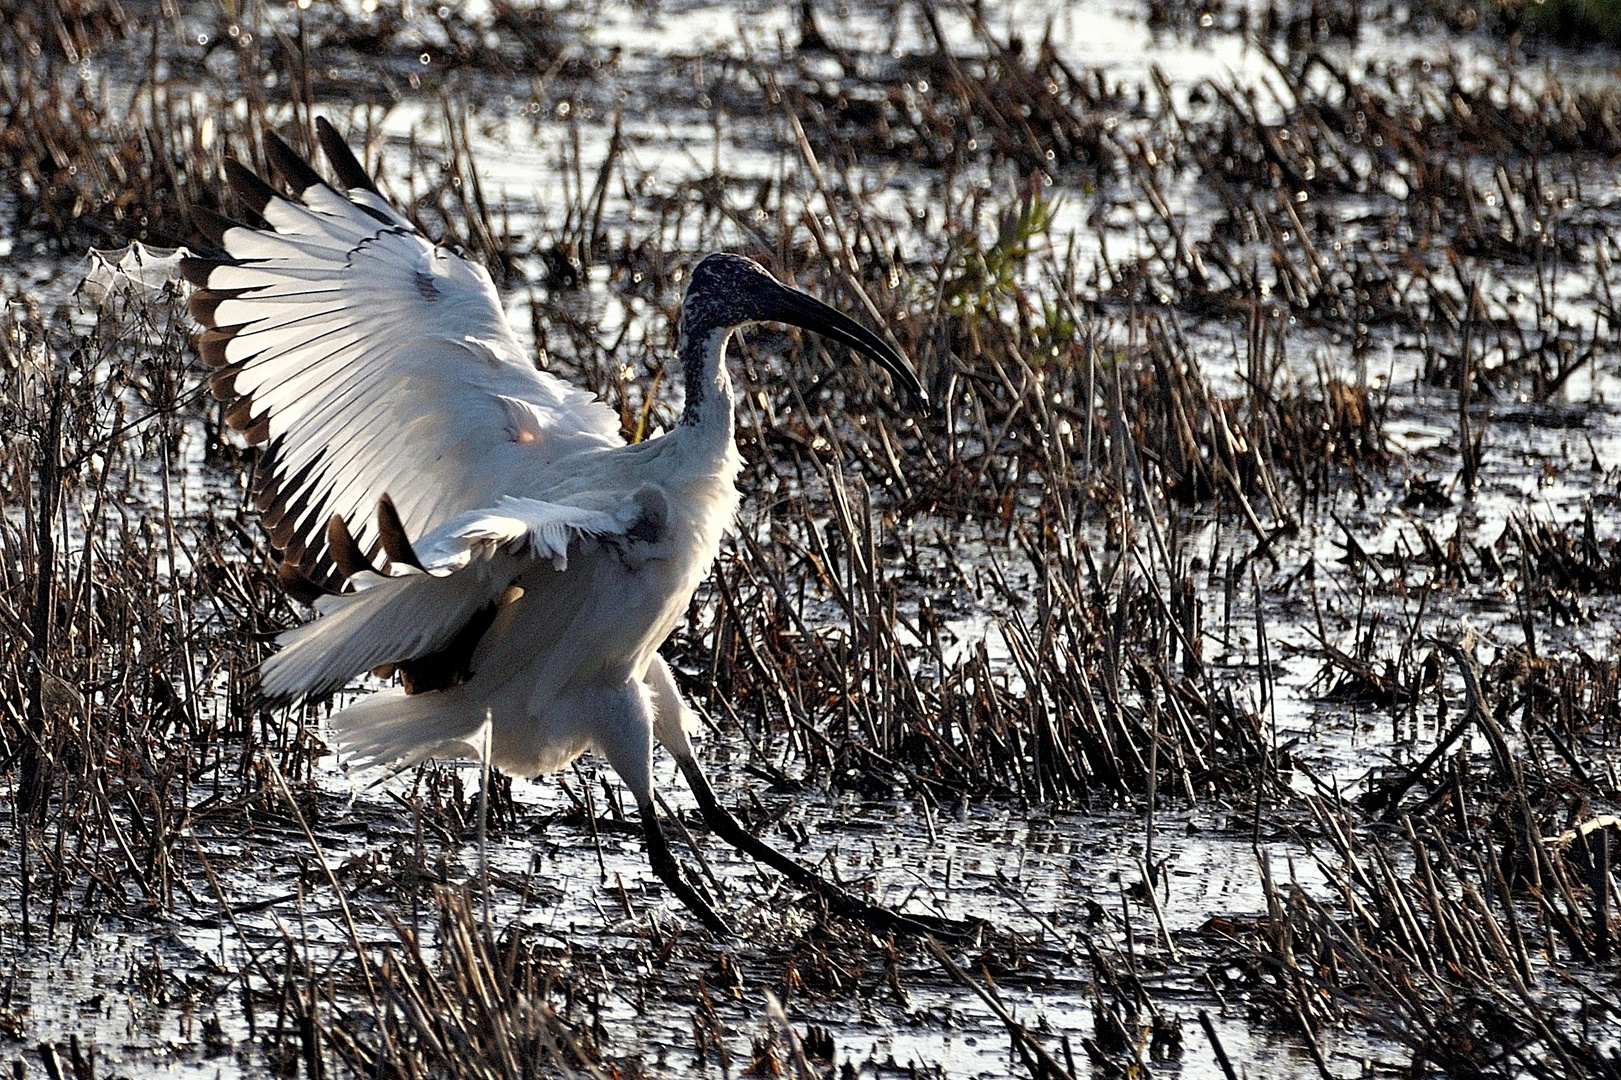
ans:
(1261, 443)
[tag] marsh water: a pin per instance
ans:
(616, 140)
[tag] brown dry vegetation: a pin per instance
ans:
(1153, 435)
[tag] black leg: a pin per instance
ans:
(664, 865)
(838, 900)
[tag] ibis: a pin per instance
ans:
(466, 521)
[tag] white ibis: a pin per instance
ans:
(466, 520)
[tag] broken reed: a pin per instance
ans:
(1440, 935)
(127, 629)
(478, 1008)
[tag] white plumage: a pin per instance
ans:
(493, 537)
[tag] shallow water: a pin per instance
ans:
(165, 993)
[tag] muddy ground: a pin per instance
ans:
(1236, 636)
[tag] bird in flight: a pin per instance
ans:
(467, 521)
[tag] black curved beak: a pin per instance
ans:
(800, 309)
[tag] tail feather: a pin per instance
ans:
(388, 620)
(400, 730)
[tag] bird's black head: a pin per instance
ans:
(729, 290)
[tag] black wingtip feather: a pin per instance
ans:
(205, 302)
(215, 225)
(286, 163)
(196, 270)
(296, 584)
(346, 554)
(199, 245)
(396, 543)
(222, 384)
(240, 415)
(249, 187)
(351, 174)
(258, 431)
(212, 343)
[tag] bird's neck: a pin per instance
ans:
(708, 385)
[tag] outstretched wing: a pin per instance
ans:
(370, 362)
(467, 565)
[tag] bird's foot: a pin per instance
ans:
(669, 872)
(839, 900)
